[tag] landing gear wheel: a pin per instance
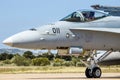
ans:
(88, 73)
(96, 72)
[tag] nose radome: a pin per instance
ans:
(8, 42)
(25, 39)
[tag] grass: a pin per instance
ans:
(50, 69)
(41, 69)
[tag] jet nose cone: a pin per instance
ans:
(8, 42)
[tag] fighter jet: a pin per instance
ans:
(87, 29)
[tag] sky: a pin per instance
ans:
(20, 15)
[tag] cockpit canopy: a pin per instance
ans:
(84, 15)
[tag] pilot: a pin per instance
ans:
(89, 16)
(85, 14)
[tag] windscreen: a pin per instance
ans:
(74, 17)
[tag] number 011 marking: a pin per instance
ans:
(56, 30)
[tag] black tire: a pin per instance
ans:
(96, 72)
(88, 73)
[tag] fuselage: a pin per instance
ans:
(61, 35)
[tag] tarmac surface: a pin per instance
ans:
(57, 76)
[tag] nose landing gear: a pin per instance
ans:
(93, 70)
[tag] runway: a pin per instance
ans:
(57, 76)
